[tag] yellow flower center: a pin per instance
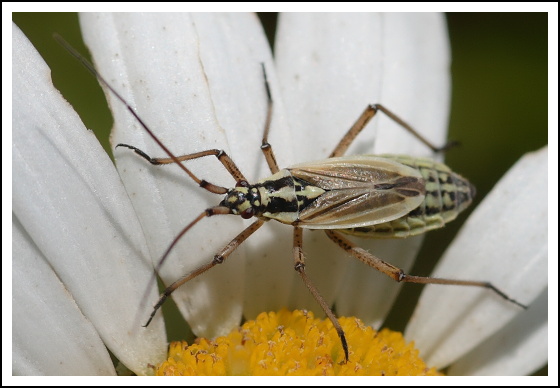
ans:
(294, 343)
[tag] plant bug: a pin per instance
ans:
(383, 196)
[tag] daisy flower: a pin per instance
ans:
(85, 238)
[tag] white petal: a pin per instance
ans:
(519, 349)
(505, 242)
(42, 342)
(197, 81)
(331, 66)
(70, 201)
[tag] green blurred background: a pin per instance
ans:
(499, 106)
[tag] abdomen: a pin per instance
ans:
(447, 194)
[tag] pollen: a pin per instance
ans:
(296, 344)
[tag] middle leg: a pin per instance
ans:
(365, 117)
(299, 265)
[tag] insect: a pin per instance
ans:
(371, 196)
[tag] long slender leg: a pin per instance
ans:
(365, 117)
(398, 275)
(219, 258)
(354, 130)
(224, 158)
(299, 265)
(265, 146)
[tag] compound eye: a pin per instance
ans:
(247, 213)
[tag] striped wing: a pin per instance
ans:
(360, 191)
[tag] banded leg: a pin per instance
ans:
(365, 117)
(219, 258)
(299, 265)
(398, 275)
(265, 145)
(224, 158)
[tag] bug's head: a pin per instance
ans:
(242, 200)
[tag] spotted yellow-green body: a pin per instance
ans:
(372, 196)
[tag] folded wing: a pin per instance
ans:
(360, 191)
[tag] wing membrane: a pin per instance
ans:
(361, 190)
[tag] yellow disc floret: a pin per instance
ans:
(294, 343)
